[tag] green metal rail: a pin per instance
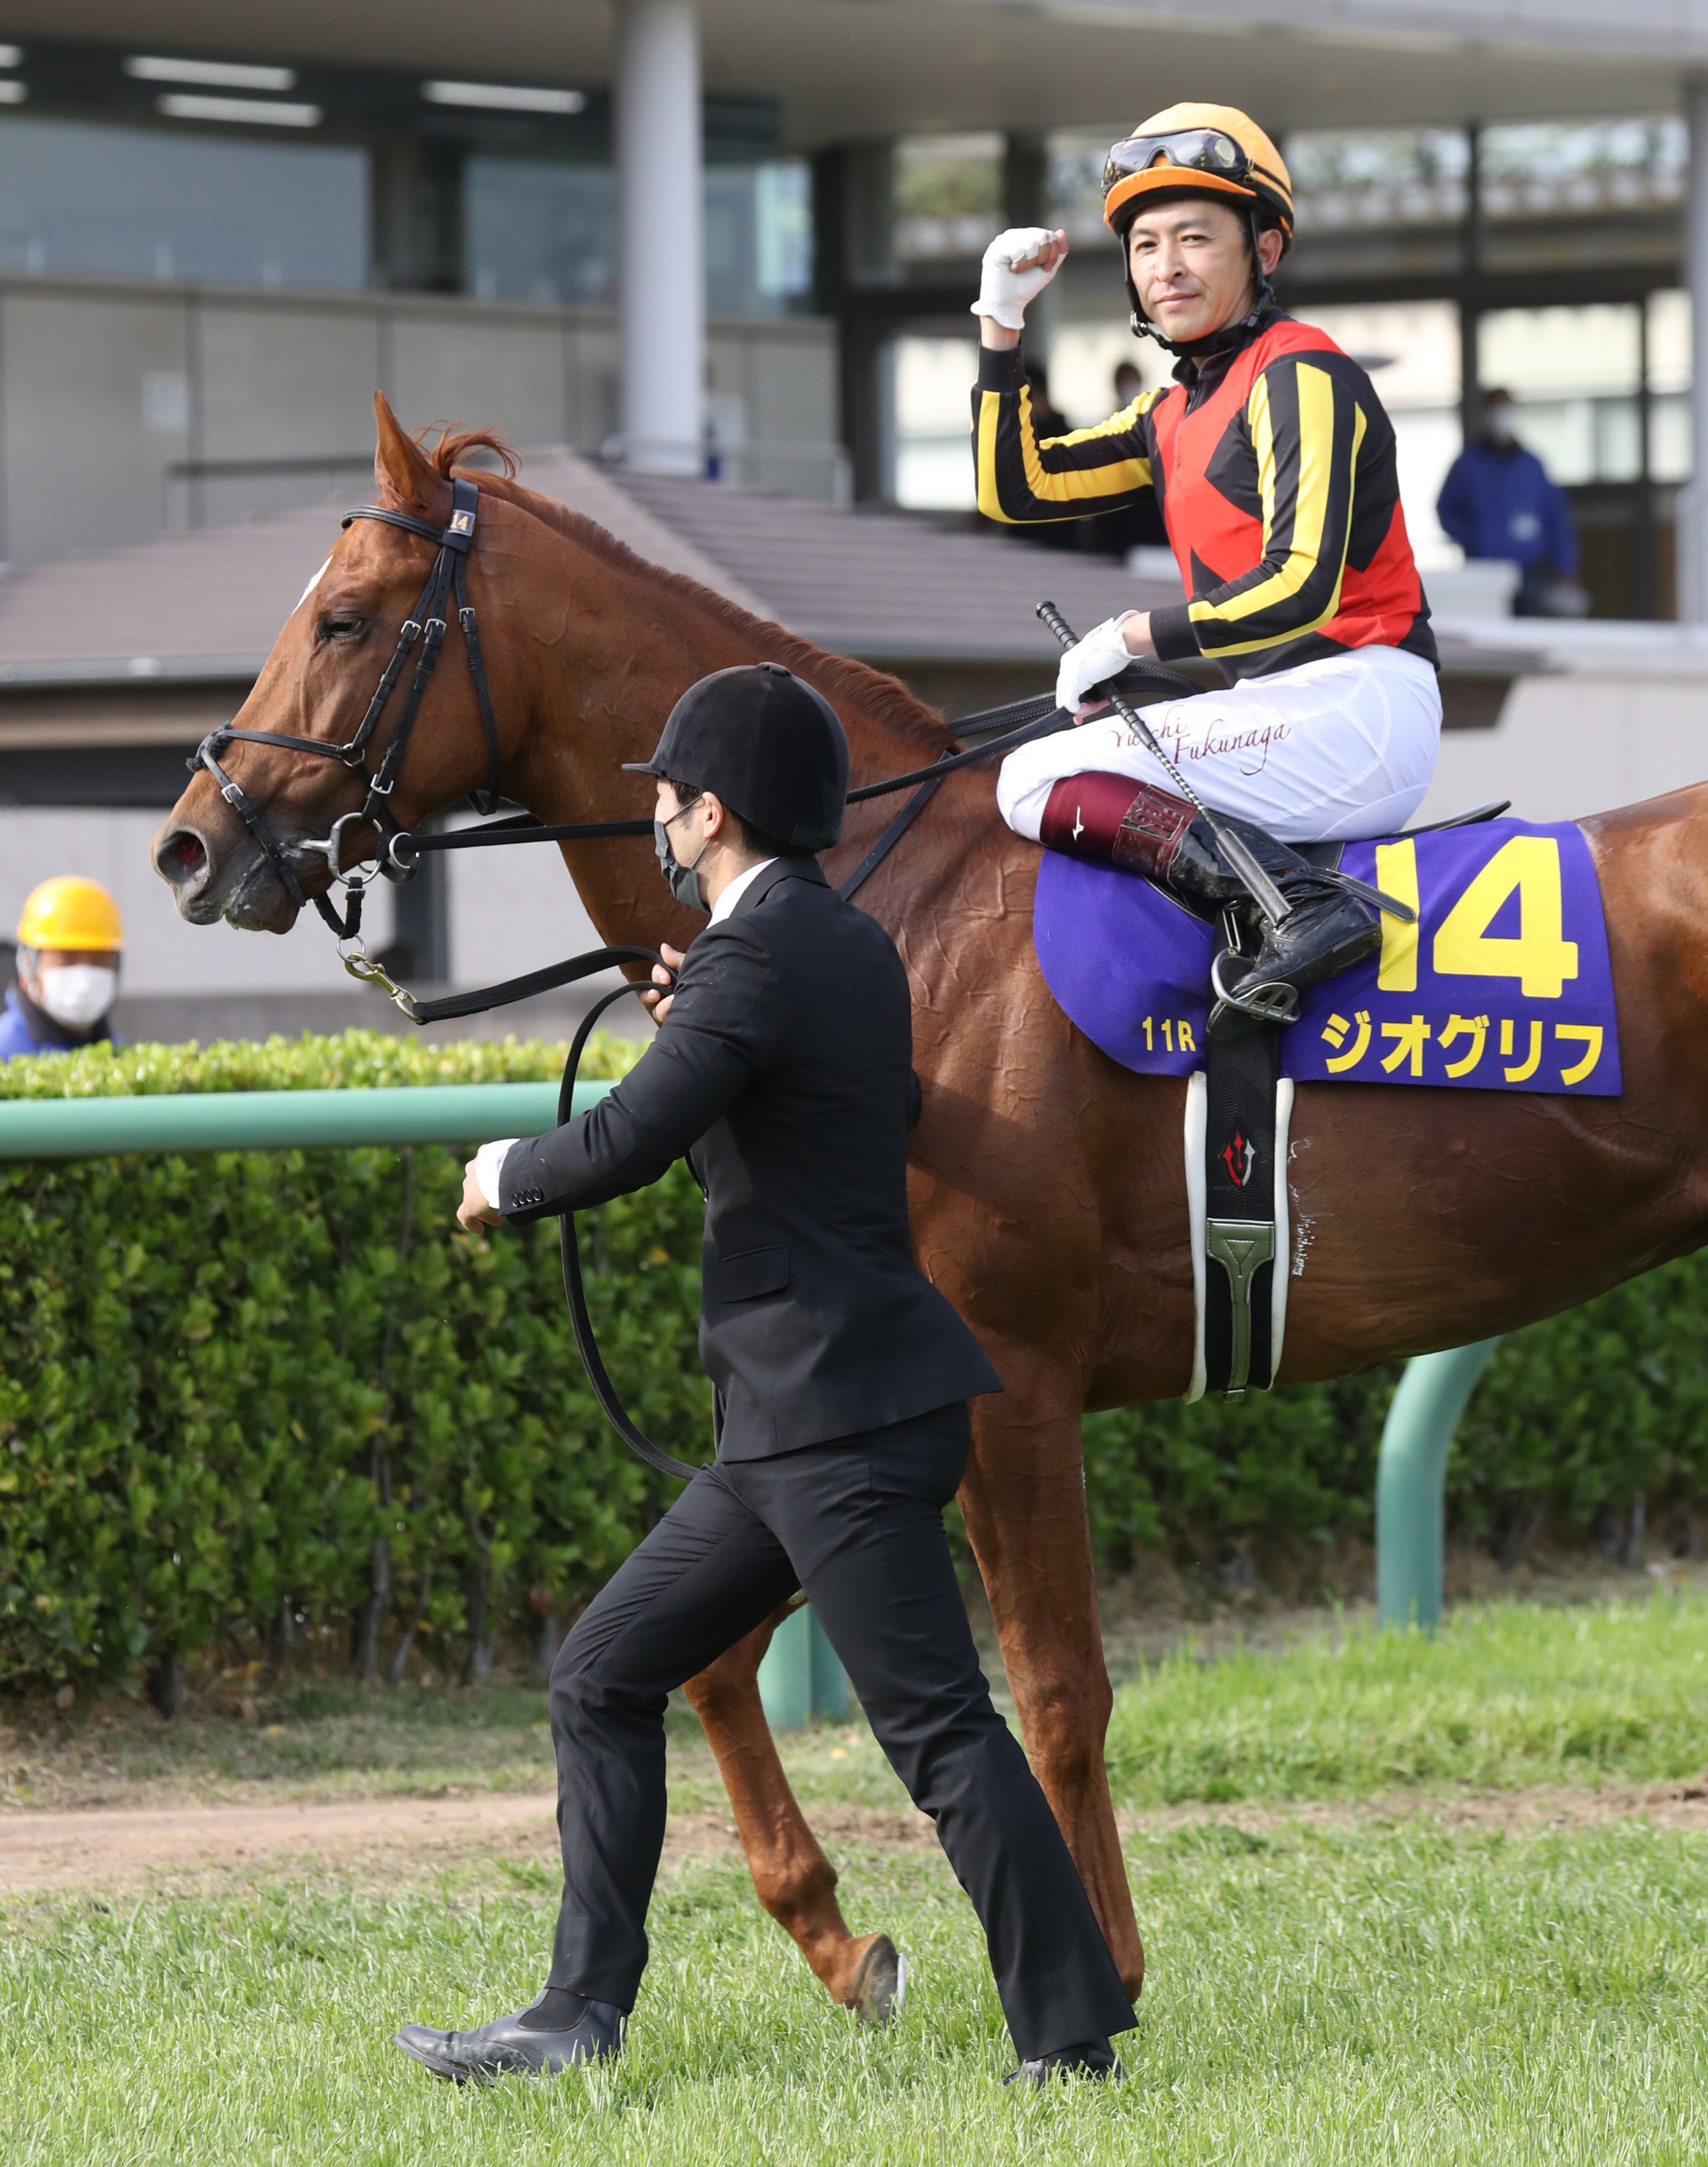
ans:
(276, 1120)
(1411, 1477)
(800, 1677)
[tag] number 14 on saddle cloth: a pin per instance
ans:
(1503, 983)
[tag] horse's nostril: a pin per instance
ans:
(181, 857)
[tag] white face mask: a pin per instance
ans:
(78, 994)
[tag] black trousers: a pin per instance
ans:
(858, 1523)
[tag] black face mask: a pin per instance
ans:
(682, 880)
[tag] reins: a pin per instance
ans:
(400, 851)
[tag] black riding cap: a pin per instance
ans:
(765, 743)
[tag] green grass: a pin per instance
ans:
(1385, 1981)
(1507, 1694)
(1376, 1993)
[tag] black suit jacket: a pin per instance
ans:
(784, 1071)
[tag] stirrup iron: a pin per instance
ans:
(1277, 1002)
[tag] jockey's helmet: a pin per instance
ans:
(1197, 151)
(1214, 150)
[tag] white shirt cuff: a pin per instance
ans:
(488, 1165)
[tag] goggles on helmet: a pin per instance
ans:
(1200, 149)
(1208, 150)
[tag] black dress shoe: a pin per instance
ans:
(1091, 2058)
(593, 2033)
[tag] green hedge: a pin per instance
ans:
(248, 1392)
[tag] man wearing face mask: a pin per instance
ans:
(1499, 501)
(783, 1072)
(69, 941)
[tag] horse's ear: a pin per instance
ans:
(405, 476)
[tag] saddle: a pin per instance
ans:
(1502, 983)
(1245, 1107)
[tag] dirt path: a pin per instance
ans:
(118, 1850)
(115, 1850)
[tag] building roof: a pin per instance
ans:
(843, 72)
(883, 585)
(136, 654)
(206, 607)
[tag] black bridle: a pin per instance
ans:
(426, 623)
(399, 853)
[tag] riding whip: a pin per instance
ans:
(1264, 892)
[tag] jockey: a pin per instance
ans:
(1274, 465)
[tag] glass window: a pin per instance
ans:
(1411, 349)
(1582, 166)
(1083, 358)
(1075, 184)
(540, 231)
(1669, 386)
(1537, 353)
(1380, 177)
(759, 237)
(949, 196)
(930, 397)
(136, 202)
(1573, 375)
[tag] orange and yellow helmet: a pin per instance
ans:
(1197, 150)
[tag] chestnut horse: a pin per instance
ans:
(1047, 1184)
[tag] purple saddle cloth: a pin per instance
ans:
(1504, 985)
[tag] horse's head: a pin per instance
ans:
(318, 683)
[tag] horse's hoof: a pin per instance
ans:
(881, 1985)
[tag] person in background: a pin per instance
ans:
(70, 939)
(1129, 383)
(1498, 502)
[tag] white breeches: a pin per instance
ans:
(1331, 751)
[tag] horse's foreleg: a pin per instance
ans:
(793, 1878)
(1023, 1500)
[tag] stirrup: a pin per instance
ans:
(1276, 1002)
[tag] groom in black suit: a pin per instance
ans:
(782, 1073)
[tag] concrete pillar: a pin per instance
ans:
(661, 270)
(1693, 500)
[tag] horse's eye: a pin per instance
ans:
(341, 627)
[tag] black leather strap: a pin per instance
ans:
(598, 1375)
(1239, 1137)
(893, 833)
(487, 803)
(534, 982)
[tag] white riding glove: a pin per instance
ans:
(1003, 291)
(1101, 655)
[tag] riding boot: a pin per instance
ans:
(1102, 818)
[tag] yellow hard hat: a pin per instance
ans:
(1197, 150)
(70, 912)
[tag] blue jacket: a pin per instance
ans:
(23, 1029)
(1498, 501)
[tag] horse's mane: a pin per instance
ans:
(841, 679)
